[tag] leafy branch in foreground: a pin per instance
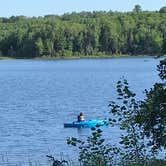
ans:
(94, 151)
(56, 162)
(152, 115)
(124, 113)
(143, 123)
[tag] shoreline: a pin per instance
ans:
(80, 57)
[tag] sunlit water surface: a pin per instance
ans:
(38, 96)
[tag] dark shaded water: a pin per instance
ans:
(38, 96)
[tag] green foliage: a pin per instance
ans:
(145, 119)
(94, 151)
(85, 33)
(144, 123)
(162, 69)
(137, 9)
(163, 10)
(133, 148)
(57, 162)
(163, 51)
(152, 115)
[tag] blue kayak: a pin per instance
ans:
(86, 124)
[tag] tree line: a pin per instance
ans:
(85, 33)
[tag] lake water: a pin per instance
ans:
(38, 96)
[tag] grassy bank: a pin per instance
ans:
(6, 58)
(91, 57)
(100, 56)
(81, 57)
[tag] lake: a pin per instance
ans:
(38, 96)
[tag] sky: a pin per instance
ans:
(37, 8)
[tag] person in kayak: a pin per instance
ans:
(81, 117)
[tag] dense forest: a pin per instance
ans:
(84, 34)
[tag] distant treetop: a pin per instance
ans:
(163, 10)
(137, 9)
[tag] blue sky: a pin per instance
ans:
(44, 7)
